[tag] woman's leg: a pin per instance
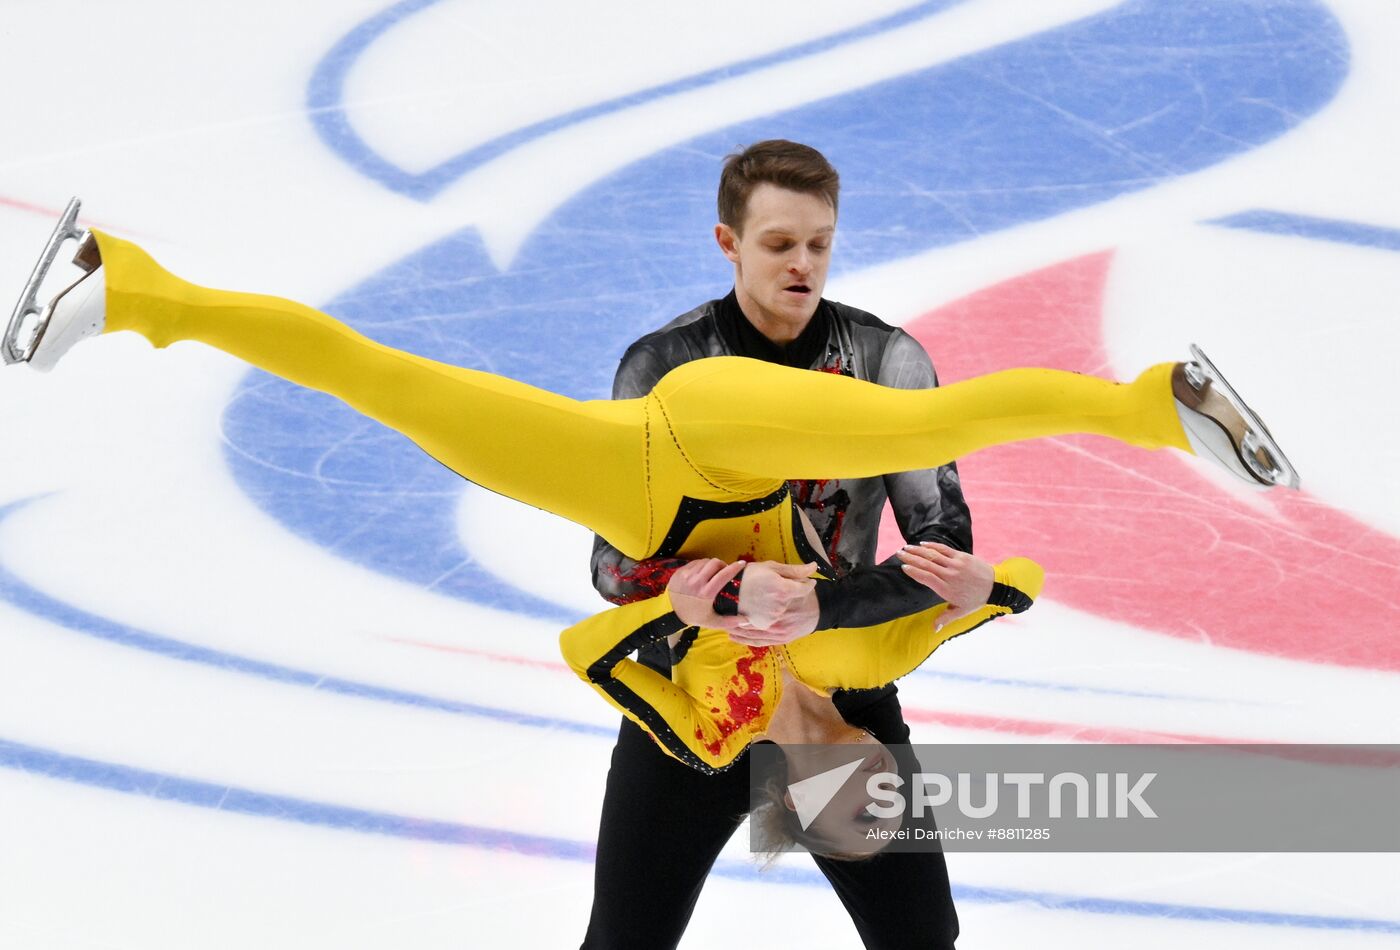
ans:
(739, 420)
(720, 429)
(582, 460)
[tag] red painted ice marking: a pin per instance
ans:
(491, 655)
(1353, 755)
(1078, 732)
(1144, 538)
(55, 213)
(32, 208)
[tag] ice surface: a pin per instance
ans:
(270, 678)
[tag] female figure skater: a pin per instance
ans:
(697, 469)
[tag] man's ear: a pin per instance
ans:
(787, 800)
(728, 242)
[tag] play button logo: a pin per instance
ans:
(811, 795)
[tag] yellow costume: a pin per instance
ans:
(722, 694)
(696, 468)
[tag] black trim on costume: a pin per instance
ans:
(805, 552)
(600, 670)
(655, 723)
(683, 645)
(726, 602)
(692, 511)
(1004, 595)
(600, 675)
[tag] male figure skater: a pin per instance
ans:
(663, 824)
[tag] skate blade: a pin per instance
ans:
(11, 349)
(1281, 472)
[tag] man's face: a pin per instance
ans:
(781, 258)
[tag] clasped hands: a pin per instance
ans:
(778, 602)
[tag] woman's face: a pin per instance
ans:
(846, 822)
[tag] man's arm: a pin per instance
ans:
(928, 505)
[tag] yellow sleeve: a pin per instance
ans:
(866, 657)
(599, 650)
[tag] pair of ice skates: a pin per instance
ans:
(1218, 423)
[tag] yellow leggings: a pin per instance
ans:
(726, 429)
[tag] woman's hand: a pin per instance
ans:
(963, 580)
(693, 589)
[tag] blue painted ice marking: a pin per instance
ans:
(326, 94)
(28, 598)
(23, 596)
(1075, 116)
(286, 808)
(222, 797)
(1022, 683)
(1314, 228)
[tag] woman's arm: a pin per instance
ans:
(866, 657)
(1015, 584)
(963, 581)
(599, 650)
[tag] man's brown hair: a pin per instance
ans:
(789, 165)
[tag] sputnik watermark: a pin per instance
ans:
(1112, 796)
(1101, 795)
(1076, 797)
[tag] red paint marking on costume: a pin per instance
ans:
(647, 578)
(812, 495)
(808, 493)
(1143, 538)
(835, 544)
(745, 704)
(744, 707)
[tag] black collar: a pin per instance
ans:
(745, 340)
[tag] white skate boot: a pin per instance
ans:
(1220, 426)
(40, 335)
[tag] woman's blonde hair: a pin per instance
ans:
(775, 828)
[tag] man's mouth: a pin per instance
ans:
(798, 289)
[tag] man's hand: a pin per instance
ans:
(777, 604)
(693, 589)
(963, 580)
